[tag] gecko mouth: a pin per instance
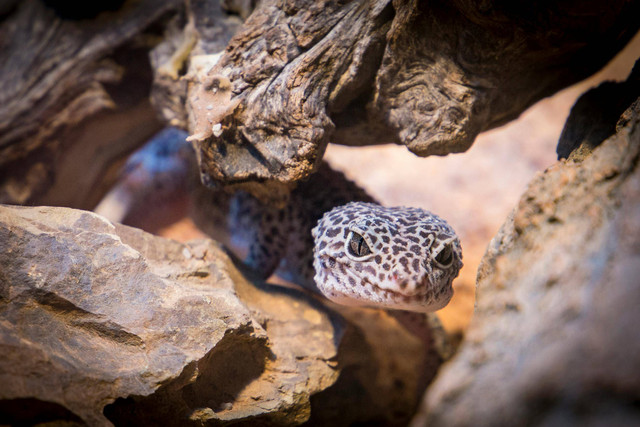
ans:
(425, 285)
(428, 298)
(427, 301)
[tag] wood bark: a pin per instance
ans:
(74, 90)
(429, 75)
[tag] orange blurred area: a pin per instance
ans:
(474, 191)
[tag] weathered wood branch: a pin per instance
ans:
(429, 75)
(73, 97)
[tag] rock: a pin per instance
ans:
(103, 323)
(554, 337)
(595, 116)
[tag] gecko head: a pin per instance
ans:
(396, 258)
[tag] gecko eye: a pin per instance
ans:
(445, 257)
(357, 246)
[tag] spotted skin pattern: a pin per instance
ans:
(409, 260)
(401, 272)
(359, 253)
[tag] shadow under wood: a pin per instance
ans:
(30, 411)
(214, 382)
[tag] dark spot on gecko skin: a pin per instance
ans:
(403, 285)
(385, 250)
(424, 234)
(370, 270)
(322, 245)
(378, 259)
(333, 232)
(396, 249)
(381, 276)
(405, 264)
(373, 239)
(414, 239)
(416, 265)
(380, 230)
(352, 281)
(415, 249)
(386, 266)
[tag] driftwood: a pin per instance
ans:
(73, 97)
(429, 75)
(75, 86)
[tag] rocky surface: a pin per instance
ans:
(554, 336)
(105, 323)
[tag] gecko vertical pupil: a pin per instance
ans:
(357, 246)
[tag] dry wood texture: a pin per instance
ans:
(74, 89)
(76, 81)
(429, 75)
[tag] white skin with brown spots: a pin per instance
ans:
(395, 258)
(359, 253)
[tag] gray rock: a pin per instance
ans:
(554, 339)
(105, 323)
